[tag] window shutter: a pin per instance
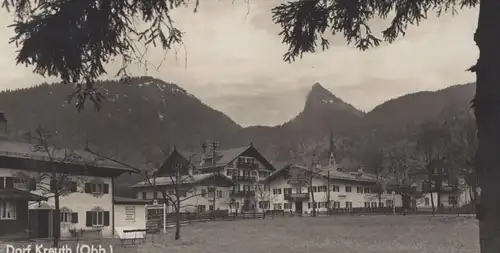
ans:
(73, 186)
(106, 218)
(74, 218)
(9, 182)
(88, 188)
(105, 188)
(88, 217)
(32, 184)
(2, 185)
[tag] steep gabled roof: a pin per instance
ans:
(186, 180)
(323, 172)
(22, 150)
(224, 157)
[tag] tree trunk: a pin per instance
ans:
(432, 203)
(313, 202)
(439, 204)
(178, 221)
(56, 231)
(487, 105)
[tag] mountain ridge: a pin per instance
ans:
(152, 114)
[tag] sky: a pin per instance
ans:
(232, 61)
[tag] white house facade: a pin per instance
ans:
(85, 187)
(346, 190)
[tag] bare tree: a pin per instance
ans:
(52, 184)
(431, 158)
(176, 186)
(464, 140)
(263, 195)
(303, 177)
(396, 163)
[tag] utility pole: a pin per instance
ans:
(214, 145)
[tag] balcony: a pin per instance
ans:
(244, 178)
(293, 197)
(243, 165)
(243, 194)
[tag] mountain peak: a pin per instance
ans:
(319, 98)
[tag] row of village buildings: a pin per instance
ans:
(244, 180)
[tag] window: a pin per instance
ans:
(210, 192)
(144, 195)
(322, 204)
(367, 190)
(381, 204)
(348, 189)
(8, 210)
(211, 207)
(219, 194)
(389, 203)
(288, 206)
(277, 191)
(229, 172)
(97, 218)
(298, 190)
(264, 174)
(254, 173)
(336, 204)
(427, 202)
(246, 187)
(97, 188)
(65, 215)
(287, 191)
(367, 204)
(130, 213)
(203, 192)
(250, 160)
(336, 188)
(452, 200)
(374, 204)
(263, 204)
(201, 208)
(322, 188)
(359, 189)
(310, 205)
(277, 207)
(348, 204)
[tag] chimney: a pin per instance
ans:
(3, 126)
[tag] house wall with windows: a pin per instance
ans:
(448, 200)
(86, 202)
(343, 194)
(197, 199)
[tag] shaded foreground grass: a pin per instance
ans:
(336, 234)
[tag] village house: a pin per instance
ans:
(29, 178)
(291, 187)
(245, 167)
(453, 193)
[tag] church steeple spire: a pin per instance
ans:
(331, 150)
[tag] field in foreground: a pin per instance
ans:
(338, 234)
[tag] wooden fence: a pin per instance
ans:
(155, 221)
